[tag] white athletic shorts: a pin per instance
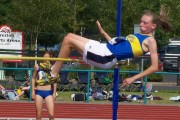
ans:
(97, 54)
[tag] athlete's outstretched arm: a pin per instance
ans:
(101, 30)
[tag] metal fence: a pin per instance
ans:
(89, 77)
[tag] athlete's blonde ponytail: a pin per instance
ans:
(161, 20)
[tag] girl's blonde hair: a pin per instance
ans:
(161, 20)
(47, 52)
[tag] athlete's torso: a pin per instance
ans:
(40, 75)
(131, 47)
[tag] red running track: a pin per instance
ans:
(92, 111)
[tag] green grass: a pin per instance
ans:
(66, 97)
(164, 95)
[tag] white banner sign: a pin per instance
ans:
(10, 40)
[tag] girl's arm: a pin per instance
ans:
(33, 81)
(55, 90)
(101, 30)
(152, 46)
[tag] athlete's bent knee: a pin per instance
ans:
(67, 38)
(70, 34)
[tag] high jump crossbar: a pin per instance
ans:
(41, 58)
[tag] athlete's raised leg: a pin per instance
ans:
(70, 41)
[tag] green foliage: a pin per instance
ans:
(79, 16)
(134, 65)
(165, 95)
(129, 67)
(155, 78)
(4, 8)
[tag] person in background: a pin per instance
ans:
(24, 89)
(44, 91)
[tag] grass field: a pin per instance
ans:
(66, 97)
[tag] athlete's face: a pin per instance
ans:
(146, 25)
(46, 56)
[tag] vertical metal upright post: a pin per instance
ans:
(118, 18)
(30, 75)
(145, 81)
(145, 93)
(115, 91)
(88, 87)
(116, 69)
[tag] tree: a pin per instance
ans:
(4, 8)
(135, 8)
(38, 16)
(49, 20)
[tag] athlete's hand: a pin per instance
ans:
(128, 81)
(33, 95)
(54, 96)
(101, 30)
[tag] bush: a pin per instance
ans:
(134, 66)
(155, 78)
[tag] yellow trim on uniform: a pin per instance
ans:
(46, 79)
(135, 45)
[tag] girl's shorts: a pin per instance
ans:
(97, 54)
